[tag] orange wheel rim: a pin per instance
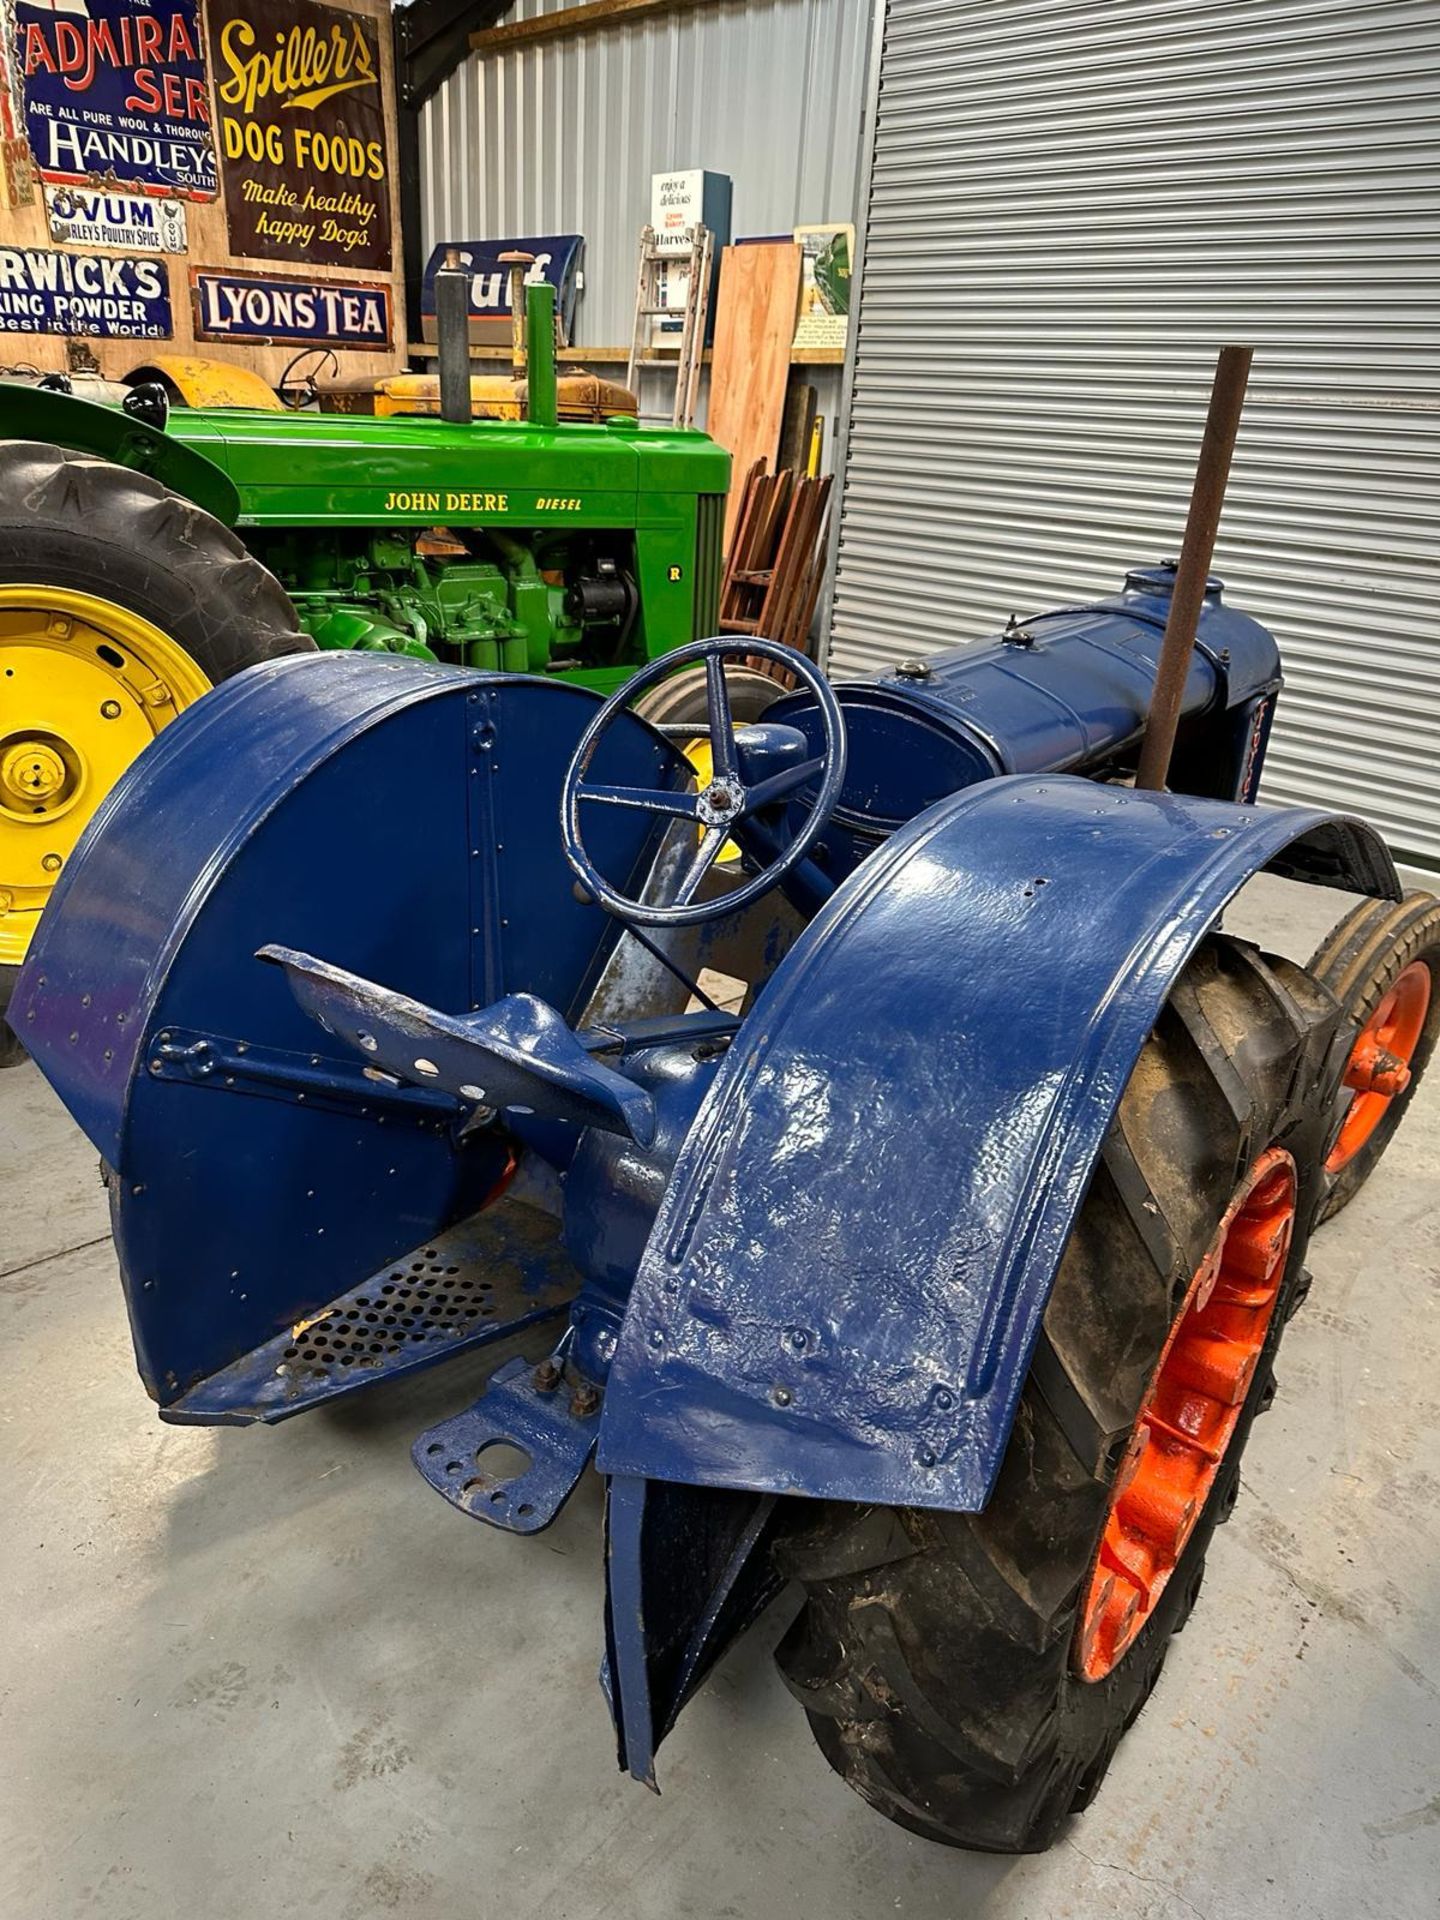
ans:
(1190, 1414)
(1379, 1067)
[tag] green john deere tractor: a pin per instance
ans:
(147, 554)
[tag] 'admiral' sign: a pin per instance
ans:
(114, 93)
(326, 313)
(76, 293)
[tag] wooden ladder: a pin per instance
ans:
(699, 253)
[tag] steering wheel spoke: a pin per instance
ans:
(711, 841)
(717, 709)
(721, 803)
(684, 806)
(780, 785)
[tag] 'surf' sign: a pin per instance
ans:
(302, 132)
(331, 313)
(42, 291)
(113, 93)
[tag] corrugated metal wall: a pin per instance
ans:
(564, 136)
(1074, 203)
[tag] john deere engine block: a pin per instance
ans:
(522, 601)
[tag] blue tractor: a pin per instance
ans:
(938, 1276)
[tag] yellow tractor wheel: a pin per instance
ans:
(120, 604)
(85, 684)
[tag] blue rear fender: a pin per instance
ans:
(843, 1286)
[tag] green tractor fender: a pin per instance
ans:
(60, 420)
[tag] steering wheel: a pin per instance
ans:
(717, 809)
(304, 386)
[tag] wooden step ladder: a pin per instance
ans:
(698, 254)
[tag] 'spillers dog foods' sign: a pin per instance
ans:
(249, 309)
(42, 291)
(301, 130)
(113, 93)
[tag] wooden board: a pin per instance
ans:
(209, 246)
(754, 326)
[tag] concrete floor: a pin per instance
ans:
(267, 1672)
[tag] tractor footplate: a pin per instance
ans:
(501, 1270)
(515, 1413)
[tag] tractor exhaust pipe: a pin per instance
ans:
(541, 407)
(452, 334)
(1222, 424)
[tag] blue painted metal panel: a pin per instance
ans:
(492, 1276)
(1065, 693)
(515, 1412)
(382, 815)
(686, 1572)
(847, 1272)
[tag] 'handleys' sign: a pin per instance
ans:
(114, 93)
(42, 291)
(329, 313)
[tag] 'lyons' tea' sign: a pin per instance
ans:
(258, 310)
(113, 94)
(302, 132)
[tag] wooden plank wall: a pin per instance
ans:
(209, 247)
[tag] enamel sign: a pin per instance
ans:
(42, 291)
(113, 94)
(257, 309)
(134, 222)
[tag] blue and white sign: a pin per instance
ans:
(114, 91)
(258, 309)
(557, 259)
(84, 217)
(77, 294)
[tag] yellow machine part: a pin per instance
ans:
(210, 383)
(698, 753)
(86, 685)
(493, 396)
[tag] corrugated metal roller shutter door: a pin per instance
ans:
(1073, 204)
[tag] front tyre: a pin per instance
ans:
(1382, 963)
(971, 1674)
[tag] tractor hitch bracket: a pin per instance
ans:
(524, 1407)
(235, 1066)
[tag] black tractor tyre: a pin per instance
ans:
(11, 1051)
(681, 699)
(937, 1653)
(1360, 961)
(70, 520)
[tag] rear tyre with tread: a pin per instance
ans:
(937, 1653)
(71, 524)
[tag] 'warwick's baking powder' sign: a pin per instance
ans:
(302, 132)
(75, 293)
(328, 313)
(113, 94)
(137, 222)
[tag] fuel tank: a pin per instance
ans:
(1061, 692)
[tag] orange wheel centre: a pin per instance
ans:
(1190, 1414)
(1379, 1066)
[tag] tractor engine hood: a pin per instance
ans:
(313, 468)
